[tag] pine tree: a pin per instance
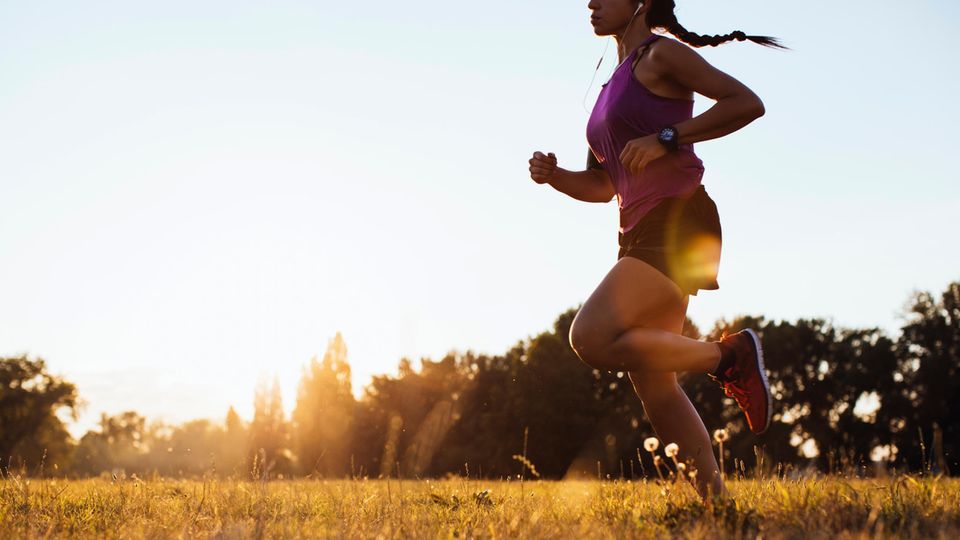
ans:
(232, 452)
(269, 446)
(323, 417)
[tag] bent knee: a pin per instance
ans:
(588, 344)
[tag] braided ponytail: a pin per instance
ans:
(661, 16)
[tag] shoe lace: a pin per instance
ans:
(737, 393)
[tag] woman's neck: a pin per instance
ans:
(628, 43)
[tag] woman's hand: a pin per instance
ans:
(542, 167)
(640, 152)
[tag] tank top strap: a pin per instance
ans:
(643, 48)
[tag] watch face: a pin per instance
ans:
(667, 134)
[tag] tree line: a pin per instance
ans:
(851, 398)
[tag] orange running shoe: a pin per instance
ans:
(743, 377)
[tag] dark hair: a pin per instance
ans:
(660, 15)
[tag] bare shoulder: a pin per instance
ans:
(667, 52)
(680, 63)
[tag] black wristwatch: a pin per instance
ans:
(669, 138)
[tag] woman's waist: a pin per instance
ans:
(655, 213)
(639, 202)
(657, 183)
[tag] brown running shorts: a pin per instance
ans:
(681, 238)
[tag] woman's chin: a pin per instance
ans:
(600, 30)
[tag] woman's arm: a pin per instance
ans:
(592, 185)
(735, 107)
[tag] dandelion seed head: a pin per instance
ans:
(681, 467)
(671, 450)
(651, 444)
(721, 435)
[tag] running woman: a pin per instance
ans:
(641, 134)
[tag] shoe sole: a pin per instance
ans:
(763, 375)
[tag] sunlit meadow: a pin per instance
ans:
(461, 507)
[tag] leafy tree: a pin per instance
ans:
(269, 445)
(120, 445)
(929, 351)
(405, 418)
(323, 417)
(231, 456)
(30, 400)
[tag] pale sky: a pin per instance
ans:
(193, 194)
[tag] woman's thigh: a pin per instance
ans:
(632, 294)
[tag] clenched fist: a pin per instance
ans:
(543, 167)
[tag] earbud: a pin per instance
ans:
(634, 16)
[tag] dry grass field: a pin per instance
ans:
(831, 507)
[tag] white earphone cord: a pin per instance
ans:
(607, 46)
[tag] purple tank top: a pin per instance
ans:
(625, 110)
